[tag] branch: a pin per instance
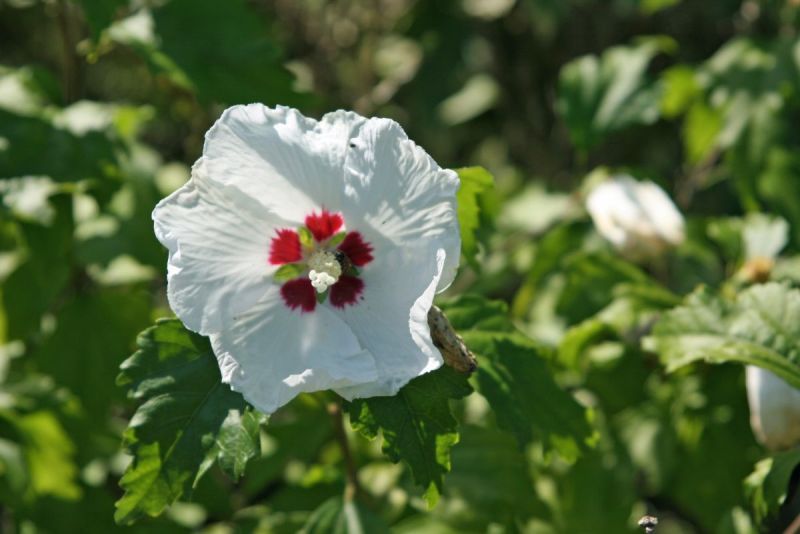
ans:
(352, 487)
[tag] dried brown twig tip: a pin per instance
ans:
(648, 522)
(454, 351)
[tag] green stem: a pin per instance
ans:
(352, 487)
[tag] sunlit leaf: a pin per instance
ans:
(475, 182)
(768, 484)
(417, 425)
(184, 414)
(762, 327)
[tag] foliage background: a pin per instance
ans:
(103, 107)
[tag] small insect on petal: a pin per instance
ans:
(357, 250)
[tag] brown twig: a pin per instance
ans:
(69, 59)
(794, 526)
(352, 487)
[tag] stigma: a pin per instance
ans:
(325, 270)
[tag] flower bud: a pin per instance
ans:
(638, 218)
(774, 409)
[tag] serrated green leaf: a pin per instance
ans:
(237, 443)
(768, 484)
(514, 377)
(183, 416)
(289, 271)
(762, 327)
(341, 516)
(475, 182)
(416, 424)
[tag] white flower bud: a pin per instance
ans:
(774, 409)
(638, 218)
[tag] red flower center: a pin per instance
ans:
(322, 233)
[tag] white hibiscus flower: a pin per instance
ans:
(638, 218)
(310, 251)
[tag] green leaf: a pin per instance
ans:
(700, 131)
(289, 271)
(475, 183)
(185, 413)
(122, 315)
(591, 280)
(416, 424)
(496, 486)
(579, 338)
(768, 484)
(43, 273)
(247, 67)
(599, 95)
(341, 516)
(681, 88)
(100, 13)
(48, 451)
(71, 158)
(237, 443)
(762, 327)
(513, 375)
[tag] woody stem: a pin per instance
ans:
(352, 487)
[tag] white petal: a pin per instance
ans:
(290, 163)
(270, 354)
(218, 241)
(392, 320)
(614, 211)
(661, 212)
(774, 409)
(397, 191)
(635, 215)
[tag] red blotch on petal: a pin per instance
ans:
(299, 293)
(358, 250)
(324, 225)
(346, 291)
(285, 248)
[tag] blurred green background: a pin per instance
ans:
(103, 108)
